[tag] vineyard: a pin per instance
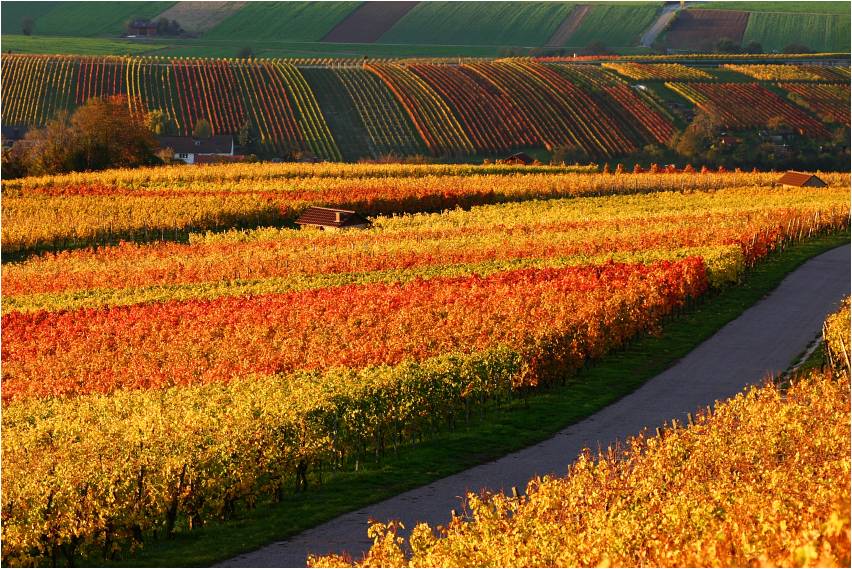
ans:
(335, 110)
(212, 371)
(691, 496)
(747, 105)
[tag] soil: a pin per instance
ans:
(568, 26)
(369, 22)
(197, 17)
(701, 29)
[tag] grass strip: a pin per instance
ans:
(513, 426)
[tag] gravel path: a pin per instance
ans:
(666, 16)
(766, 338)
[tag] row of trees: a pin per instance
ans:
(100, 134)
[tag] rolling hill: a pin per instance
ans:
(428, 29)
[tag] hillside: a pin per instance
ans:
(357, 29)
(479, 109)
(820, 26)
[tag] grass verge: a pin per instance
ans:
(511, 427)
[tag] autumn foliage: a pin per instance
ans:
(762, 480)
(151, 388)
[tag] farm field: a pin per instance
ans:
(614, 25)
(699, 30)
(451, 108)
(611, 503)
(426, 29)
(293, 21)
(815, 7)
(474, 23)
(539, 237)
(819, 32)
(83, 19)
(225, 324)
(450, 111)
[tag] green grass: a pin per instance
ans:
(283, 21)
(819, 32)
(614, 25)
(790, 7)
(80, 46)
(513, 426)
(12, 13)
(91, 19)
(479, 23)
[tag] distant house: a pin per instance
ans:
(801, 180)
(329, 218)
(729, 140)
(189, 149)
(12, 134)
(519, 158)
(142, 27)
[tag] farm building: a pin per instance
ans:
(327, 218)
(189, 149)
(519, 158)
(142, 28)
(801, 180)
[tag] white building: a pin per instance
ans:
(188, 149)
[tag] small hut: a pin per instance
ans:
(801, 180)
(519, 158)
(328, 218)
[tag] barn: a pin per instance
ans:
(519, 159)
(801, 180)
(331, 219)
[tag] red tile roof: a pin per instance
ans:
(800, 179)
(329, 217)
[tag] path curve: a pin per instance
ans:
(766, 338)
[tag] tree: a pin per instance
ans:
(796, 48)
(245, 53)
(27, 25)
(202, 129)
(568, 154)
(753, 47)
(107, 135)
(696, 138)
(163, 27)
(49, 150)
(727, 45)
(596, 48)
(157, 122)
(101, 134)
(244, 136)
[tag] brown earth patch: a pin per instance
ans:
(369, 22)
(568, 26)
(200, 16)
(701, 29)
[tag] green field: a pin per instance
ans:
(80, 19)
(819, 32)
(283, 21)
(791, 7)
(614, 25)
(80, 46)
(479, 23)
(14, 12)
